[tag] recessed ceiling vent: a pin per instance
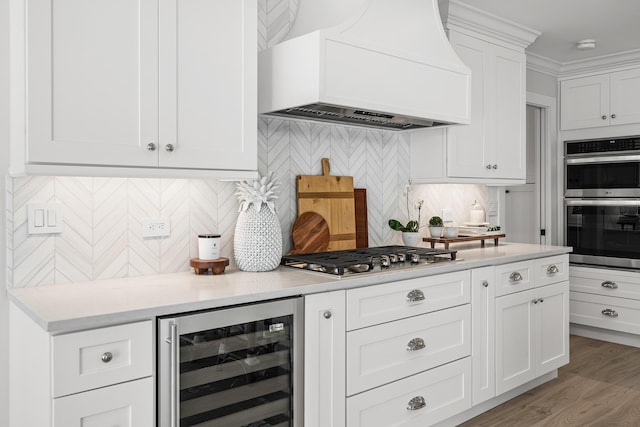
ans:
(376, 63)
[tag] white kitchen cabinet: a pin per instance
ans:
(492, 149)
(100, 377)
(532, 334)
(599, 100)
(483, 288)
(324, 365)
(162, 85)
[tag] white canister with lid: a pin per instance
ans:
(477, 215)
(208, 246)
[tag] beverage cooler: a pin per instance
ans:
(239, 366)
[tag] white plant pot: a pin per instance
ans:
(411, 238)
(435, 232)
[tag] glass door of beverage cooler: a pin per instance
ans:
(233, 367)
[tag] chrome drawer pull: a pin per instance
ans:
(415, 344)
(415, 295)
(515, 277)
(609, 284)
(327, 314)
(416, 403)
(610, 312)
(106, 357)
(552, 269)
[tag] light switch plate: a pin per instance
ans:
(44, 218)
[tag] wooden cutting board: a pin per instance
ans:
(331, 197)
(310, 234)
(362, 220)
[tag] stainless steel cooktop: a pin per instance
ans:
(368, 260)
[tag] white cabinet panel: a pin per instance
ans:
(92, 81)
(324, 364)
(444, 391)
(483, 288)
(383, 353)
(123, 405)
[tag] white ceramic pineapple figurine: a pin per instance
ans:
(257, 242)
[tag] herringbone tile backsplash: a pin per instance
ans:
(102, 236)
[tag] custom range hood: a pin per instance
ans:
(376, 63)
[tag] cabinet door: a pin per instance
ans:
(515, 340)
(625, 97)
(324, 364)
(483, 337)
(509, 106)
(467, 145)
(208, 84)
(92, 82)
(552, 324)
(123, 405)
(584, 102)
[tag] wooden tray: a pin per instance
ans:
(216, 266)
(458, 239)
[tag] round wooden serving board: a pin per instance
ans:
(310, 234)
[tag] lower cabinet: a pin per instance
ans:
(419, 400)
(124, 405)
(324, 364)
(532, 331)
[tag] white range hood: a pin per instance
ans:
(376, 63)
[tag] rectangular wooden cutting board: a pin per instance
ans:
(331, 197)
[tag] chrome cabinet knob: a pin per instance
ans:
(488, 166)
(151, 146)
(609, 284)
(515, 277)
(552, 269)
(327, 314)
(106, 357)
(169, 147)
(415, 295)
(609, 312)
(485, 283)
(416, 344)
(604, 117)
(495, 166)
(416, 403)
(613, 116)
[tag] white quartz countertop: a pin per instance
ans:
(85, 305)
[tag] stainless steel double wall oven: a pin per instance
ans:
(602, 201)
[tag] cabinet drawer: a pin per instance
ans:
(445, 391)
(606, 282)
(618, 314)
(397, 300)
(123, 405)
(382, 354)
(96, 358)
(514, 277)
(551, 270)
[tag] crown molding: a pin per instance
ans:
(463, 16)
(603, 63)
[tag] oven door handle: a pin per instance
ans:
(603, 202)
(603, 159)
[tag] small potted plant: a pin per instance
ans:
(435, 226)
(410, 231)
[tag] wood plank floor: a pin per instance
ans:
(599, 387)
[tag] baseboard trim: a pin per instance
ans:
(608, 335)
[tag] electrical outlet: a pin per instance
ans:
(156, 227)
(493, 209)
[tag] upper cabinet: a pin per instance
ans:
(164, 87)
(492, 148)
(600, 100)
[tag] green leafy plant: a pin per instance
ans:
(412, 225)
(496, 228)
(435, 221)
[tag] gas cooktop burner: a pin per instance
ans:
(376, 259)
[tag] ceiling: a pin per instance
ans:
(613, 24)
